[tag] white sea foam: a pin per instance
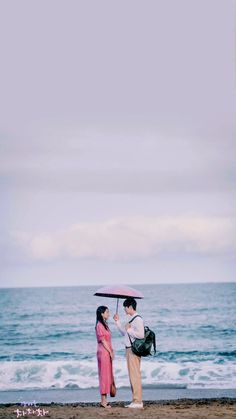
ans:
(15, 375)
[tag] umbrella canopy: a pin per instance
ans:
(119, 291)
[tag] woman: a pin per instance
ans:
(105, 354)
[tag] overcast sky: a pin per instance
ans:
(117, 142)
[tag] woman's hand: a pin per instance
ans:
(112, 355)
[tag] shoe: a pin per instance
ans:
(135, 405)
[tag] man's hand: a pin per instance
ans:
(116, 317)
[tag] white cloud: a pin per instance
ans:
(132, 238)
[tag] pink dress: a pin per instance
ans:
(104, 360)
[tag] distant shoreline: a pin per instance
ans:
(131, 284)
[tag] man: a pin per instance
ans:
(134, 329)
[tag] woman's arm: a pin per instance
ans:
(100, 331)
(106, 346)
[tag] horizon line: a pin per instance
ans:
(107, 284)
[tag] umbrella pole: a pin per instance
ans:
(117, 303)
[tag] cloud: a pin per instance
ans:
(122, 182)
(132, 238)
(110, 162)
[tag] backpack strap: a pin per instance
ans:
(129, 339)
(153, 340)
(131, 322)
(134, 318)
(154, 343)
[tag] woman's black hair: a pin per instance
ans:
(100, 311)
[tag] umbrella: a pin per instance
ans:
(119, 291)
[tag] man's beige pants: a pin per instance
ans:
(134, 369)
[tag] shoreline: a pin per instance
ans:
(203, 401)
(92, 395)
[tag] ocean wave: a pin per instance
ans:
(17, 338)
(228, 354)
(163, 356)
(83, 374)
(38, 356)
(196, 356)
(65, 333)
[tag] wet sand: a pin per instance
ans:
(173, 409)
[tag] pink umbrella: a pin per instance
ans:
(118, 291)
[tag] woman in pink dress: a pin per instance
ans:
(105, 354)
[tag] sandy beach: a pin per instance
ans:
(193, 409)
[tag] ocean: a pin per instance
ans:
(47, 337)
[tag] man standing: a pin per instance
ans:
(134, 329)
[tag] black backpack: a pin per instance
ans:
(143, 347)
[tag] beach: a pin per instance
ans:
(183, 408)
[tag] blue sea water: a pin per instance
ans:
(47, 337)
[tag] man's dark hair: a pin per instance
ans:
(130, 301)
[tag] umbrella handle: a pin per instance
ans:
(117, 303)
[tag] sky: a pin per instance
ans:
(117, 142)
